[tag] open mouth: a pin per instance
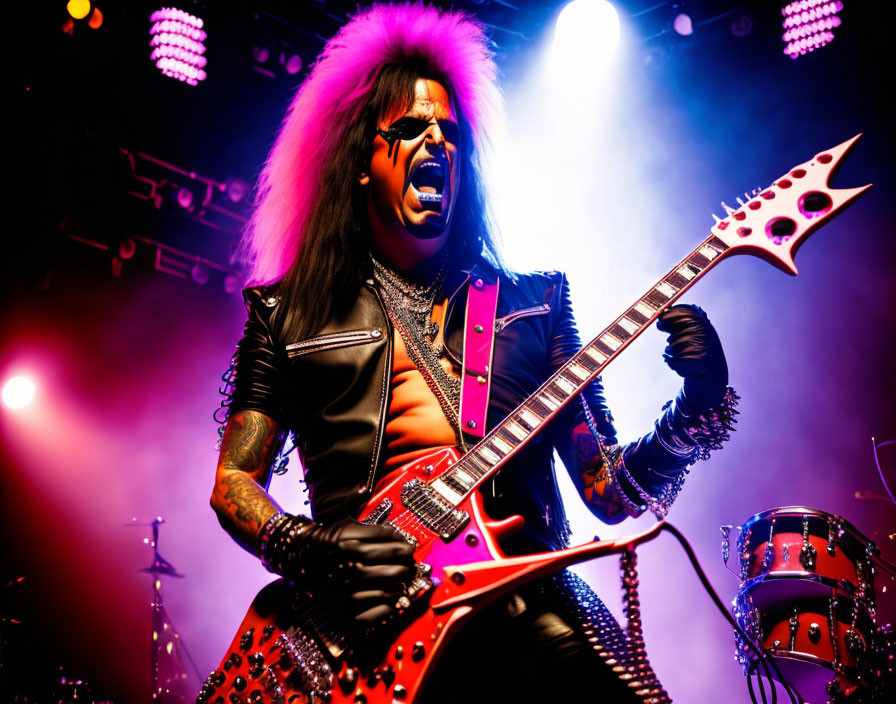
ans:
(428, 181)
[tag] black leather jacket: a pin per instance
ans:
(333, 388)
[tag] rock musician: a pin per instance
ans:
(371, 222)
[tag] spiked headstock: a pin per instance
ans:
(776, 221)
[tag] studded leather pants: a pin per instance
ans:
(553, 641)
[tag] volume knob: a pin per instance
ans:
(418, 651)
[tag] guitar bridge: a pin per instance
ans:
(434, 510)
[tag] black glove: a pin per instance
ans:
(363, 567)
(695, 353)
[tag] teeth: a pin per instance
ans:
(428, 197)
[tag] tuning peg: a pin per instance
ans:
(728, 209)
(740, 202)
(716, 218)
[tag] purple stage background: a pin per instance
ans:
(128, 367)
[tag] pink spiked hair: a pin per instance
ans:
(454, 45)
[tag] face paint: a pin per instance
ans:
(413, 177)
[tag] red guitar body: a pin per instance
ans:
(282, 652)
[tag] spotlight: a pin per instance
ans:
(79, 9)
(18, 392)
(586, 34)
(96, 19)
(199, 273)
(177, 45)
(683, 25)
(261, 53)
(231, 283)
(184, 198)
(291, 62)
(127, 248)
(236, 190)
(741, 26)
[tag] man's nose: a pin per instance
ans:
(434, 135)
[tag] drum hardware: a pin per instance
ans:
(164, 635)
(810, 598)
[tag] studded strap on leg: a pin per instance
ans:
(611, 643)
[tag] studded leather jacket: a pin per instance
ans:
(332, 390)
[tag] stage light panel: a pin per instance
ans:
(808, 25)
(176, 38)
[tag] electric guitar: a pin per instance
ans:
(289, 650)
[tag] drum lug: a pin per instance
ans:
(794, 626)
(808, 553)
(808, 556)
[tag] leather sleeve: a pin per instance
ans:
(257, 368)
(650, 461)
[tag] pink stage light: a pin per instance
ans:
(808, 25)
(18, 392)
(176, 38)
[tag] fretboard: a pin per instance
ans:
(521, 425)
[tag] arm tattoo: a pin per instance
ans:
(240, 500)
(246, 508)
(247, 443)
(587, 449)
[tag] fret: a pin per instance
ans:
(603, 347)
(446, 491)
(515, 429)
(665, 289)
(698, 260)
(501, 445)
(597, 355)
(474, 466)
(548, 400)
(716, 243)
(676, 280)
(627, 325)
(539, 408)
(466, 480)
(610, 341)
(644, 309)
(529, 419)
(686, 272)
(619, 332)
(655, 298)
(455, 483)
(637, 316)
(489, 456)
(709, 252)
(579, 371)
(565, 385)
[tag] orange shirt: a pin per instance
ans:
(415, 423)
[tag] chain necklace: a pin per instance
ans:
(409, 306)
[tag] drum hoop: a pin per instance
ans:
(798, 511)
(843, 587)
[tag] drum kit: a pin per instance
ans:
(817, 597)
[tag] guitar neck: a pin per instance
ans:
(528, 419)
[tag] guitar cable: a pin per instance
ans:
(763, 658)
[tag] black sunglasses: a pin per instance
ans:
(412, 127)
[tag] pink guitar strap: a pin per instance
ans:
(479, 338)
